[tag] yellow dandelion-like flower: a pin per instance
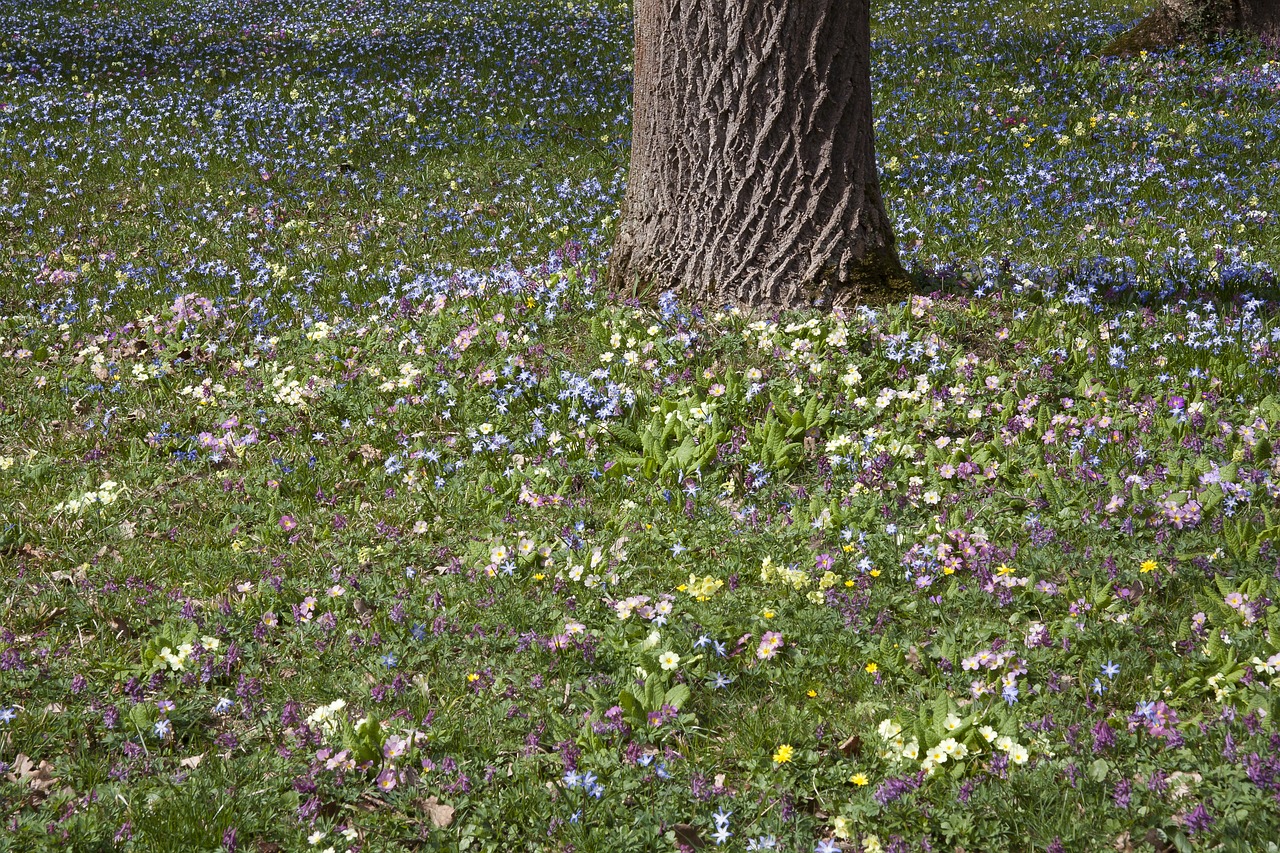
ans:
(872, 667)
(859, 779)
(1149, 566)
(783, 754)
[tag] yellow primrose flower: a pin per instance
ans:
(702, 588)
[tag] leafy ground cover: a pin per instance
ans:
(341, 507)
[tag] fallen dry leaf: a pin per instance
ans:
(687, 835)
(38, 778)
(440, 814)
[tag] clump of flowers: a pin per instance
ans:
(105, 495)
(702, 588)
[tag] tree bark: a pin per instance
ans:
(1179, 21)
(753, 175)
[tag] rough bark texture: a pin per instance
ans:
(1178, 21)
(753, 174)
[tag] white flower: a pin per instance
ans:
(1018, 754)
(315, 837)
(669, 660)
(951, 723)
(888, 729)
(988, 733)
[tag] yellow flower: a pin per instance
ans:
(768, 614)
(812, 694)
(872, 668)
(859, 779)
(473, 677)
(875, 573)
(1002, 569)
(783, 755)
(1149, 566)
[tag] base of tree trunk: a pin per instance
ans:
(1160, 30)
(1177, 22)
(875, 278)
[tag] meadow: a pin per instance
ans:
(343, 508)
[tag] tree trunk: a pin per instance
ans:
(1177, 21)
(753, 174)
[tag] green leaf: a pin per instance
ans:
(677, 696)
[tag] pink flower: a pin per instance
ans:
(769, 645)
(387, 779)
(288, 522)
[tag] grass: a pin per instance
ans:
(310, 395)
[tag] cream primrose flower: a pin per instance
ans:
(325, 716)
(669, 660)
(989, 733)
(912, 750)
(888, 729)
